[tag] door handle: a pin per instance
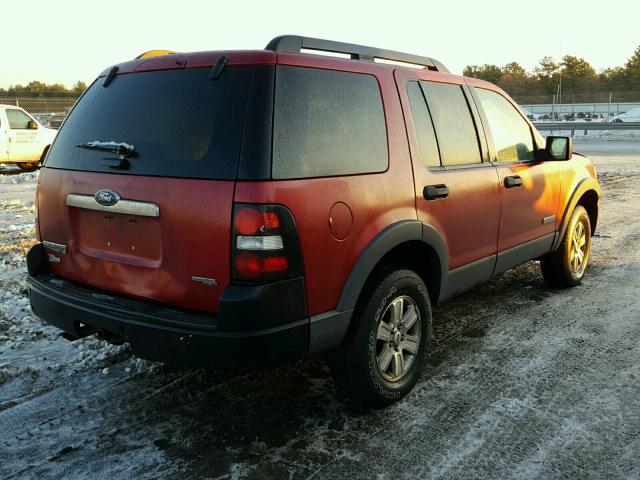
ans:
(431, 192)
(513, 181)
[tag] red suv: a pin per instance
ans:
(244, 208)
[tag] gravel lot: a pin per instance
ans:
(524, 382)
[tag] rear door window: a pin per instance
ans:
(454, 126)
(181, 123)
(327, 123)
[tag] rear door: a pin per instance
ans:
(530, 188)
(456, 191)
(167, 237)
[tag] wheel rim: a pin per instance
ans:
(579, 250)
(398, 338)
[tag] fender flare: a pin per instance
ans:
(585, 185)
(389, 238)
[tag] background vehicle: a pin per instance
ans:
(632, 115)
(239, 209)
(23, 140)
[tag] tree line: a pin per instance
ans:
(579, 81)
(41, 89)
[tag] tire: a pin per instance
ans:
(368, 366)
(565, 267)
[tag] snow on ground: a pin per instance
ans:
(523, 382)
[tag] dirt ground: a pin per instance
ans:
(523, 382)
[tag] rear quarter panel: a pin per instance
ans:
(375, 200)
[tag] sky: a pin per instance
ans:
(69, 40)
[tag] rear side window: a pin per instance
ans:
(425, 136)
(511, 133)
(18, 120)
(456, 132)
(181, 123)
(327, 123)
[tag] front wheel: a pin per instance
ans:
(383, 354)
(566, 266)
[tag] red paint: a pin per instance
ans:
(186, 240)
(340, 221)
(336, 218)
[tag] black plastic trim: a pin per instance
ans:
(218, 67)
(113, 71)
(255, 307)
(35, 259)
(577, 193)
(327, 330)
(468, 276)
(481, 131)
(523, 253)
(256, 149)
(157, 332)
(392, 236)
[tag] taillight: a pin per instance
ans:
(265, 245)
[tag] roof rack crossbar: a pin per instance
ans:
(296, 43)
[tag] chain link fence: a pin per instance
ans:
(571, 97)
(49, 111)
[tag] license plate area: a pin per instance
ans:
(121, 238)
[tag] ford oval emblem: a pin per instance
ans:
(107, 197)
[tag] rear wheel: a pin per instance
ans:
(383, 354)
(566, 266)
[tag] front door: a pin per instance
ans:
(530, 188)
(24, 145)
(456, 191)
(4, 137)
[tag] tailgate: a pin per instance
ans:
(163, 148)
(179, 257)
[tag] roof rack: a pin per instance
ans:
(296, 43)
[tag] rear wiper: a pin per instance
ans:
(124, 150)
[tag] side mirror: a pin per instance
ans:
(32, 125)
(559, 148)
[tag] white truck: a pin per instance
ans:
(23, 140)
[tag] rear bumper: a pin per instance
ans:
(167, 334)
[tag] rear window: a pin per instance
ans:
(456, 132)
(327, 123)
(425, 136)
(181, 123)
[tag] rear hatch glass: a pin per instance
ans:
(181, 124)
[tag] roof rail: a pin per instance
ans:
(296, 43)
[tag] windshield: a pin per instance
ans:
(182, 124)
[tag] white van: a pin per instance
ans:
(23, 140)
